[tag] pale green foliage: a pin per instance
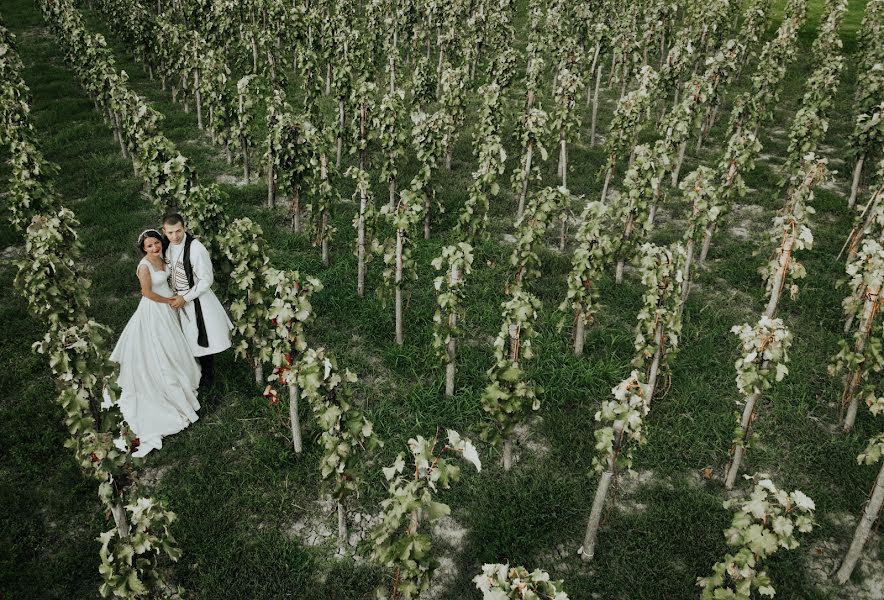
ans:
(362, 97)
(791, 229)
(632, 205)
(811, 122)
(243, 245)
(701, 90)
(873, 452)
(530, 229)
(57, 292)
(766, 521)
(755, 22)
(866, 277)
(324, 197)
(290, 142)
(404, 218)
(391, 134)
(487, 143)
(168, 177)
(764, 350)
(628, 117)
(29, 190)
(738, 160)
(565, 119)
(755, 105)
(502, 66)
(510, 395)
(678, 60)
(865, 274)
(622, 421)
(589, 261)
(397, 542)
(869, 219)
(370, 214)
(288, 312)
(50, 279)
(423, 87)
(502, 582)
(453, 101)
(346, 432)
(698, 190)
(534, 72)
(205, 215)
(456, 258)
(128, 566)
(249, 92)
(427, 136)
(532, 128)
(662, 276)
(868, 132)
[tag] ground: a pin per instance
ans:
(239, 490)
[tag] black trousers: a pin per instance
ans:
(207, 363)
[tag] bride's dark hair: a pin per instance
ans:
(151, 233)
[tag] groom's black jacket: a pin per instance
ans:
(202, 338)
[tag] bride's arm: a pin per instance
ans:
(146, 286)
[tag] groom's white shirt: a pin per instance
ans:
(203, 276)
(217, 323)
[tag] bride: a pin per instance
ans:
(158, 374)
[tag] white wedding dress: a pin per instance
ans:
(158, 374)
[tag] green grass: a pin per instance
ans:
(236, 485)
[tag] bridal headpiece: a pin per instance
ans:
(144, 233)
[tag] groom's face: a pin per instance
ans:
(174, 233)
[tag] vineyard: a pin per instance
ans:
(531, 298)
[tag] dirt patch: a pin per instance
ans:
(833, 184)
(665, 221)
(486, 341)
(36, 34)
(11, 253)
(448, 541)
(721, 294)
(377, 374)
(770, 158)
(824, 557)
(528, 442)
(151, 476)
(747, 220)
(318, 526)
(560, 562)
(232, 180)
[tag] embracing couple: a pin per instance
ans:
(166, 350)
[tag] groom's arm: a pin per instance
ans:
(202, 270)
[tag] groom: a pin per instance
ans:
(205, 324)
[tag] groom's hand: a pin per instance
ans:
(178, 302)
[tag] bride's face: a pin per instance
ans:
(152, 246)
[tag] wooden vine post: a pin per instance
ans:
(764, 356)
(456, 262)
(594, 251)
(622, 427)
(411, 501)
(866, 275)
(289, 311)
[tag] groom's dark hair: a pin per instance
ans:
(173, 219)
